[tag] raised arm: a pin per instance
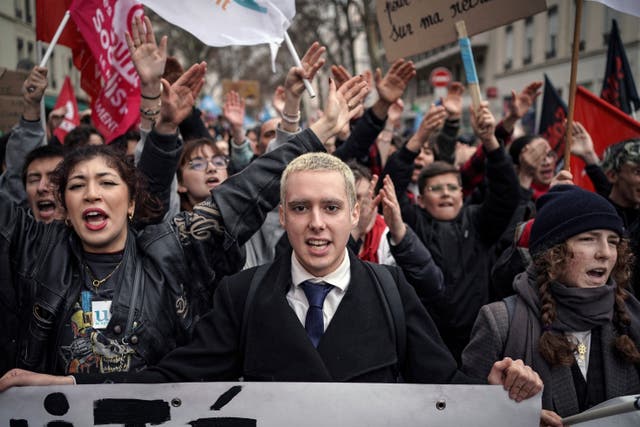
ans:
(390, 88)
(25, 136)
(502, 199)
(410, 254)
(582, 147)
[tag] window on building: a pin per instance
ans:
(20, 48)
(27, 12)
(30, 51)
(552, 32)
(18, 6)
(528, 41)
(508, 51)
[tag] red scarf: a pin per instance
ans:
(369, 250)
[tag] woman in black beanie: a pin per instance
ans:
(572, 319)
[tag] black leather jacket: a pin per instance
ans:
(169, 270)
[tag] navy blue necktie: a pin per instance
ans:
(314, 323)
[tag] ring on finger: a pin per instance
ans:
(31, 89)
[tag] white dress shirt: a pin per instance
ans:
(339, 278)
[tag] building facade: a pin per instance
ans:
(20, 48)
(512, 56)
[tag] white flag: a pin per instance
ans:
(632, 7)
(229, 22)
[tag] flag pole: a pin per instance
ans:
(296, 60)
(572, 85)
(55, 38)
(595, 414)
(469, 65)
(43, 111)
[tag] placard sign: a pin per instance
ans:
(409, 27)
(266, 404)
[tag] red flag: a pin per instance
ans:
(67, 100)
(49, 14)
(109, 77)
(605, 123)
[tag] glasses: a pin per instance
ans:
(439, 188)
(200, 164)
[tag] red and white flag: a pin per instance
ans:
(110, 78)
(67, 101)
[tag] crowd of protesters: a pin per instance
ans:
(113, 257)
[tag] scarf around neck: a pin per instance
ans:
(577, 309)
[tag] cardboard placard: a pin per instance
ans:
(249, 90)
(11, 108)
(267, 404)
(409, 27)
(11, 82)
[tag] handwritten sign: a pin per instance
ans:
(409, 27)
(266, 404)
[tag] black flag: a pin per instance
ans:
(618, 88)
(554, 113)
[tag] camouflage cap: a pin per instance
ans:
(618, 154)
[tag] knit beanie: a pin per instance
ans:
(567, 210)
(518, 145)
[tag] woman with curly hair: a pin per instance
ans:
(572, 319)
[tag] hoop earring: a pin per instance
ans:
(67, 222)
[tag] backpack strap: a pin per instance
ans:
(387, 286)
(508, 305)
(258, 276)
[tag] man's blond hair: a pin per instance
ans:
(320, 162)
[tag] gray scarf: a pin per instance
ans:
(577, 309)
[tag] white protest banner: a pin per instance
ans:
(229, 22)
(267, 404)
(409, 27)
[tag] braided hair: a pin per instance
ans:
(555, 348)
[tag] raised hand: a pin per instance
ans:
(179, 98)
(234, 110)
(582, 144)
(532, 155)
(32, 92)
(453, 101)
(148, 57)
(431, 122)
(340, 75)
(341, 106)
(520, 104)
(278, 100)
(391, 210)
(484, 125)
(368, 211)
(312, 61)
(391, 87)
